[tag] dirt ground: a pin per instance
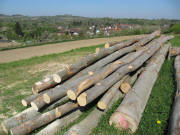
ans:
(25, 53)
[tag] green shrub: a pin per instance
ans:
(176, 28)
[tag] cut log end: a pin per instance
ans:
(46, 98)
(24, 102)
(58, 113)
(101, 105)
(82, 99)
(90, 73)
(34, 106)
(125, 87)
(123, 122)
(56, 78)
(71, 95)
(34, 89)
(97, 50)
(107, 45)
(74, 133)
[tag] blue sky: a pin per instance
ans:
(150, 9)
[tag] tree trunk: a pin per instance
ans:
(129, 81)
(38, 121)
(100, 75)
(108, 96)
(43, 85)
(27, 101)
(19, 119)
(56, 126)
(169, 52)
(110, 44)
(43, 119)
(58, 103)
(38, 103)
(63, 109)
(86, 61)
(174, 124)
(89, 95)
(129, 113)
(105, 72)
(91, 121)
(175, 51)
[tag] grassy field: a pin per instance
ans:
(16, 79)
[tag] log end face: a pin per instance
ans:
(46, 98)
(58, 112)
(82, 99)
(107, 45)
(123, 122)
(101, 105)
(97, 50)
(35, 89)
(34, 106)
(24, 102)
(56, 78)
(71, 94)
(125, 87)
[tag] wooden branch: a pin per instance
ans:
(27, 101)
(174, 127)
(19, 119)
(38, 103)
(56, 126)
(129, 81)
(129, 113)
(108, 96)
(110, 44)
(91, 121)
(43, 85)
(89, 95)
(43, 119)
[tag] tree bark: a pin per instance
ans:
(43, 85)
(86, 61)
(174, 124)
(110, 44)
(56, 126)
(175, 51)
(129, 113)
(19, 118)
(91, 121)
(169, 52)
(27, 101)
(89, 95)
(129, 81)
(100, 75)
(38, 121)
(108, 96)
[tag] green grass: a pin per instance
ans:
(158, 106)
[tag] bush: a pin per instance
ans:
(176, 28)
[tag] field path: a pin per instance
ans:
(25, 53)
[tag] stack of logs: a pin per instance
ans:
(123, 69)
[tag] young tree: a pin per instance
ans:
(18, 29)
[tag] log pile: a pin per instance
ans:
(125, 69)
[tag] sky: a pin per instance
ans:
(148, 9)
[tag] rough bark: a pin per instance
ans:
(89, 95)
(91, 121)
(110, 44)
(19, 118)
(129, 81)
(63, 109)
(103, 73)
(175, 51)
(56, 126)
(174, 124)
(129, 113)
(43, 85)
(38, 121)
(169, 52)
(27, 101)
(58, 103)
(38, 103)
(108, 96)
